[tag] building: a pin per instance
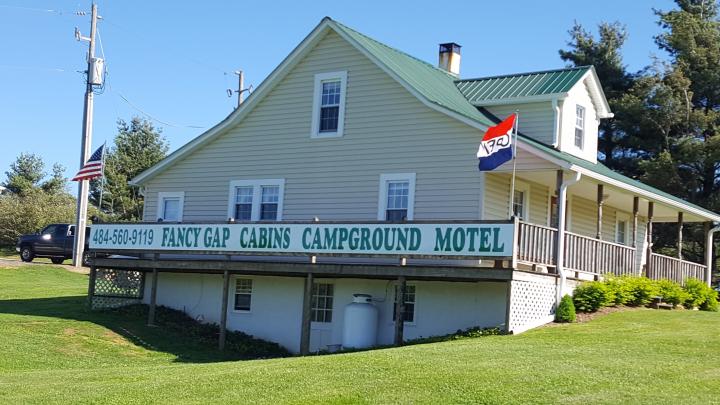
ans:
(352, 170)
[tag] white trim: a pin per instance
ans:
(382, 193)
(523, 187)
(317, 96)
(162, 195)
(622, 216)
(231, 297)
(257, 196)
(522, 100)
(643, 193)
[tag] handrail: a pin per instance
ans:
(606, 242)
(536, 244)
(675, 269)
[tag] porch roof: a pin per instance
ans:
(604, 174)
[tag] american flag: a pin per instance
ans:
(93, 167)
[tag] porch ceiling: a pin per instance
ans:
(614, 196)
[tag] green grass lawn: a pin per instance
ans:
(54, 350)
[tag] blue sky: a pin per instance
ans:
(174, 60)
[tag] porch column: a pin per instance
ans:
(306, 316)
(648, 265)
(636, 209)
(400, 311)
(153, 298)
(600, 202)
(679, 235)
(224, 310)
(709, 251)
(91, 285)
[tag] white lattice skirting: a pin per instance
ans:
(532, 302)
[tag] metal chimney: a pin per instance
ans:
(449, 58)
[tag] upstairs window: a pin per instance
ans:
(256, 200)
(579, 126)
(329, 104)
(397, 197)
(171, 206)
(243, 203)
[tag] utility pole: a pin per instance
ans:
(84, 185)
(241, 87)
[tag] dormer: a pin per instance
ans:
(562, 107)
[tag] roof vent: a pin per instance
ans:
(449, 58)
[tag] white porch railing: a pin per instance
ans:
(591, 255)
(536, 244)
(675, 269)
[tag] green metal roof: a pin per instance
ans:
(521, 85)
(435, 85)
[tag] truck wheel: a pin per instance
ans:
(26, 254)
(57, 260)
(86, 258)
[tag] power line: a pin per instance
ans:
(152, 117)
(42, 10)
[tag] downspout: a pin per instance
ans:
(709, 255)
(562, 209)
(556, 126)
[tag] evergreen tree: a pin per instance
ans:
(137, 146)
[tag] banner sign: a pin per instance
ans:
(421, 239)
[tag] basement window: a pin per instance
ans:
(243, 294)
(409, 314)
(322, 302)
(329, 104)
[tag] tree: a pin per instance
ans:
(25, 173)
(604, 54)
(137, 146)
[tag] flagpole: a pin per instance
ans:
(102, 177)
(514, 158)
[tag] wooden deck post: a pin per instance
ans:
(224, 310)
(680, 235)
(153, 298)
(600, 202)
(559, 178)
(636, 210)
(91, 285)
(648, 264)
(400, 311)
(306, 316)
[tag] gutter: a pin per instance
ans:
(709, 255)
(557, 126)
(560, 263)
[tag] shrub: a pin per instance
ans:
(642, 290)
(619, 288)
(591, 296)
(700, 295)
(566, 310)
(671, 292)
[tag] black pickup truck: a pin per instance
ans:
(55, 241)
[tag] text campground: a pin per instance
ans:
(459, 239)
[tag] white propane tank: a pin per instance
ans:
(361, 323)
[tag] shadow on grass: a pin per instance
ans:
(131, 324)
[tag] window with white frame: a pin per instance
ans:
(256, 200)
(397, 197)
(170, 206)
(409, 300)
(622, 226)
(579, 126)
(243, 294)
(329, 104)
(521, 200)
(322, 302)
